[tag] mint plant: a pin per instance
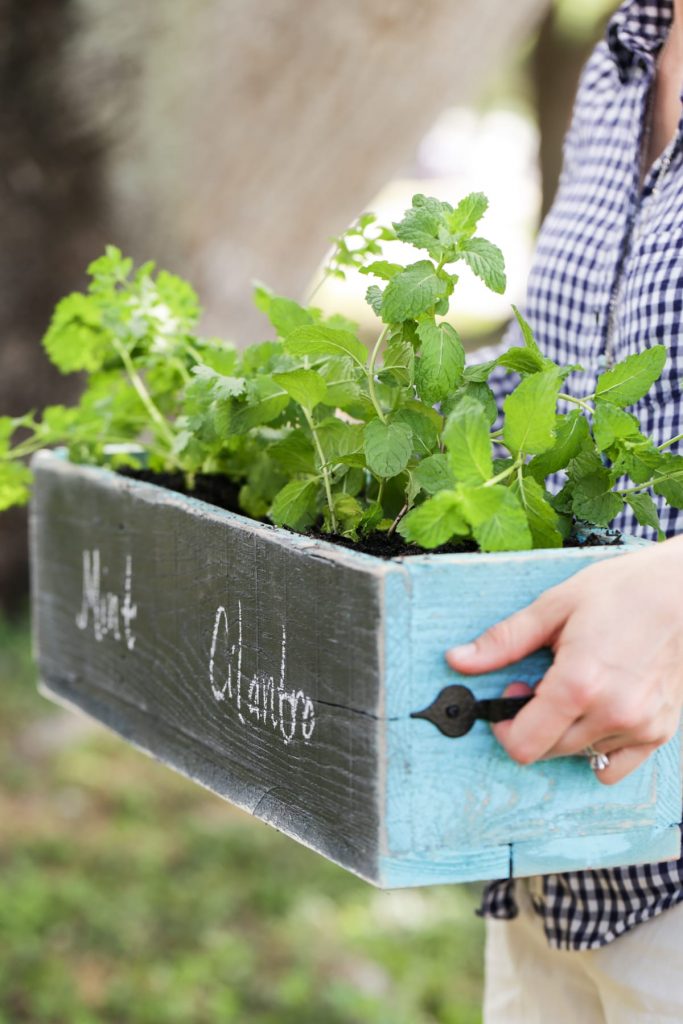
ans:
(321, 432)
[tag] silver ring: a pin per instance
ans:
(598, 761)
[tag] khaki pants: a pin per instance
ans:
(638, 977)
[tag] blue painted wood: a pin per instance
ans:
(447, 795)
(384, 795)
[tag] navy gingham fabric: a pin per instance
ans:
(607, 281)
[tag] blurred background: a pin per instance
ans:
(230, 141)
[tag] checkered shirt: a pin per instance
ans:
(607, 281)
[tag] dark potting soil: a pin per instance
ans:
(219, 491)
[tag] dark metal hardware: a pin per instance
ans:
(456, 709)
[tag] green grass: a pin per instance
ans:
(129, 895)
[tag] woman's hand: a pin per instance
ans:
(616, 683)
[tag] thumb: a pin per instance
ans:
(513, 638)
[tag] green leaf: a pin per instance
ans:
(398, 364)
(434, 474)
(286, 315)
(316, 342)
(628, 381)
(220, 386)
(479, 373)
(479, 392)
(340, 439)
(528, 335)
(610, 424)
(434, 522)
(306, 387)
(530, 418)
(466, 436)
(425, 227)
(441, 362)
(295, 504)
(571, 436)
(374, 297)
(265, 401)
(383, 269)
(75, 339)
(462, 221)
(15, 483)
(497, 518)
(646, 512)
(423, 425)
(588, 472)
(412, 292)
(522, 360)
(542, 519)
(294, 453)
(341, 375)
(388, 447)
(599, 509)
(671, 488)
(349, 513)
(486, 261)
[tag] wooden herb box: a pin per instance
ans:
(280, 672)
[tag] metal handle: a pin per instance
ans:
(456, 709)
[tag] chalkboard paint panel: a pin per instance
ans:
(261, 659)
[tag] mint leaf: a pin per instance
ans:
(286, 315)
(388, 447)
(610, 424)
(341, 376)
(672, 488)
(265, 401)
(425, 227)
(630, 380)
(295, 504)
(374, 297)
(441, 361)
(530, 417)
(542, 519)
(522, 360)
(571, 436)
(466, 436)
(497, 518)
(339, 439)
(434, 522)
(599, 509)
(317, 342)
(412, 292)
(462, 221)
(294, 453)
(528, 335)
(479, 373)
(398, 364)
(424, 424)
(306, 387)
(646, 512)
(486, 261)
(383, 269)
(434, 474)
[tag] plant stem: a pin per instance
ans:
(398, 519)
(496, 434)
(667, 444)
(317, 288)
(371, 374)
(577, 401)
(506, 472)
(323, 467)
(143, 393)
(652, 482)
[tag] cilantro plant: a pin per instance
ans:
(321, 432)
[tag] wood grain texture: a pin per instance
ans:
(280, 672)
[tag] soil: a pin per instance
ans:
(219, 491)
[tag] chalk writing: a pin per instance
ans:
(107, 613)
(259, 698)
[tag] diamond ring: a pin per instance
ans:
(598, 761)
